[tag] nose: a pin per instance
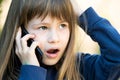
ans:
(53, 36)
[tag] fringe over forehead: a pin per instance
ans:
(61, 9)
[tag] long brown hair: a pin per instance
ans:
(61, 9)
(7, 39)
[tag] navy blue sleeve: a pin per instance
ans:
(98, 67)
(30, 72)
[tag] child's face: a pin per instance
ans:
(53, 35)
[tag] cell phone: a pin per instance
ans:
(38, 51)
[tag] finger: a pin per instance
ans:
(17, 39)
(18, 53)
(24, 40)
(33, 46)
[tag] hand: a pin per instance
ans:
(26, 54)
(80, 6)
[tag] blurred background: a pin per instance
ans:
(109, 9)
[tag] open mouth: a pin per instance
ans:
(53, 51)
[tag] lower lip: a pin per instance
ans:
(52, 55)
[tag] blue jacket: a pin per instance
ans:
(93, 67)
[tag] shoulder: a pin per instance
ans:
(114, 73)
(86, 56)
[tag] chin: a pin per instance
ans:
(49, 62)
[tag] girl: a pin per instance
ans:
(52, 25)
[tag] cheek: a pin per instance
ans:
(67, 33)
(40, 36)
(41, 39)
(65, 36)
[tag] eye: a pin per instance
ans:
(62, 26)
(43, 28)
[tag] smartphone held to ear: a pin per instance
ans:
(29, 42)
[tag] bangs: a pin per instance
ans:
(60, 9)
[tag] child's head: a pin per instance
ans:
(53, 23)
